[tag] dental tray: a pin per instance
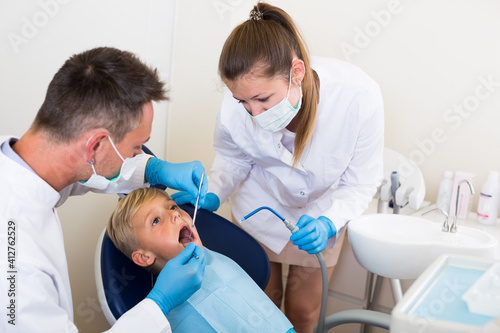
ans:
(434, 303)
(483, 297)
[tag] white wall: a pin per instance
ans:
(429, 57)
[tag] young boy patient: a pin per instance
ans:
(149, 227)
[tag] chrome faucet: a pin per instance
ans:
(453, 227)
(446, 226)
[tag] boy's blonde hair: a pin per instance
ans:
(120, 229)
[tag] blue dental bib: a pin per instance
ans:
(228, 301)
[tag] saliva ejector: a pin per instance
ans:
(324, 275)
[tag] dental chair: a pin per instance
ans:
(121, 284)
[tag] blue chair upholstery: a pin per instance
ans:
(125, 284)
(121, 284)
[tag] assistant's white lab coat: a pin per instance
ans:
(42, 288)
(338, 173)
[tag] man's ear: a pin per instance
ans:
(94, 144)
(143, 258)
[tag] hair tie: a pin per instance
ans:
(256, 15)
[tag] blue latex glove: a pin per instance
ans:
(211, 202)
(178, 176)
(313, 234)
(179, 279)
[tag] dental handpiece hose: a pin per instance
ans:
(324, 274)
(395, 184)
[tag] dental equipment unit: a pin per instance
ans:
(395, 184)
(403, 184)
(455, 294)
(293, 228)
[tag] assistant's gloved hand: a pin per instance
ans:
(313, 233)
(178, 176)
(211, 202)
(179, 279)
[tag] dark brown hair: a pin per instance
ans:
(269, 41)
(103, 87)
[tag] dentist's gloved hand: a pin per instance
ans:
(211, 202)
(313, 234)
(178, 176)
(179, 279)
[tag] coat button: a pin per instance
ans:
(279, 145)
(302, 193)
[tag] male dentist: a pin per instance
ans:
(87, 136)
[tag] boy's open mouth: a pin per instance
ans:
(185, 235)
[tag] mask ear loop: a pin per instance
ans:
(91, 163)
(113, 144)
(289, 83)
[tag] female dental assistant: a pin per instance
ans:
(304, 137)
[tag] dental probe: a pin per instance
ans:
(196, 207)
(197, 199)
(194, 255)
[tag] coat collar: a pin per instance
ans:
(25, 182)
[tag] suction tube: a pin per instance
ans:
(395, 184)
(321, 260)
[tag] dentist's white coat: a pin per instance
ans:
(42, 293)
(338, 173)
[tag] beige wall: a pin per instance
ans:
(432, 59)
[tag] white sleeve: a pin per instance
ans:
(39, 301)
(144, 317)
(358, 184)
(231, 164)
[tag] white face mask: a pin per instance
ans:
(279, 116)
(99, 182)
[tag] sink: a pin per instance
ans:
(402, 247)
